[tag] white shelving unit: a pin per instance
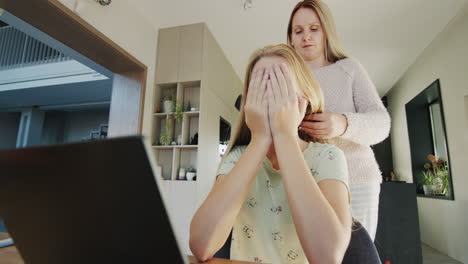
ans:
(192, 66)
(183, 155)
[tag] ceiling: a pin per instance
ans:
(385, 36)
(59, 95)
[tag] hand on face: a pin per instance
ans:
(256, 106)
(286, 108)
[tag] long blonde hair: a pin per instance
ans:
(333, 48)
(308, 87)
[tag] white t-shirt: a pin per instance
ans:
(264, 230)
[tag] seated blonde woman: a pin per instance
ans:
(283, 194)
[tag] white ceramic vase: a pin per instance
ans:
(168, 106)
(429, 189)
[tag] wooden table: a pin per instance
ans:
(10, 255)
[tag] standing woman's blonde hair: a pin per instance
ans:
(308, 87)
(333, 49)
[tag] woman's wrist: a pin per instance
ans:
(261, 141)
(285, 138)
(344, 119)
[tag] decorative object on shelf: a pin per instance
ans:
(181, 175)
(392, 176)
(168, 106)
(179, 140)
(169, 98)
(157, 110)
(435, 176)
(194, 139)
(191, 174)
(188, 106)
(159, 172)
(173, 143)
(193, 109)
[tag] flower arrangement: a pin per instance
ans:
(436, 173)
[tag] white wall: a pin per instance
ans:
(466, 113)
(9, 124)
(443, 223)
(122, 24)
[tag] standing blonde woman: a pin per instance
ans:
(283, 194)
(355, 117)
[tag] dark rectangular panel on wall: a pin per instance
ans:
(420, 135)
(398, 238)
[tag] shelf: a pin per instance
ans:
(176, 146)
(192, 113)
(163, 114)
(181, 182)
(188, 113)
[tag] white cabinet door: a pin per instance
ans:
(168, 56)
(190, 52)
(183, 197)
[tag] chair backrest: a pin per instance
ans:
(361, 249)
(225, 251)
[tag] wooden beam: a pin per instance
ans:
(62, 24)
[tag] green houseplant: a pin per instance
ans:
(435, 178)
(179, 114)
(165, 138)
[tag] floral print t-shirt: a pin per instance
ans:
(264, 230)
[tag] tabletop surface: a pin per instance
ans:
(10, 255)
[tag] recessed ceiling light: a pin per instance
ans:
(248, 4)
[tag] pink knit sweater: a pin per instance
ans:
(348, 90)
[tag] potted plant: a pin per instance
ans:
(435, 177)
(168, 101)
(179, 114)
(166, 138)
(191, 174)
(427, 181)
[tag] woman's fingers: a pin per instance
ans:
(316, 117)
(275, 87)
(252, 93)
(287, 76)
(316, 133)
(314, 125)
(280, 79)
(262, 88)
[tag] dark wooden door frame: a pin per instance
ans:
(60, 23)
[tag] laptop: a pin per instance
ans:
(87, 202)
